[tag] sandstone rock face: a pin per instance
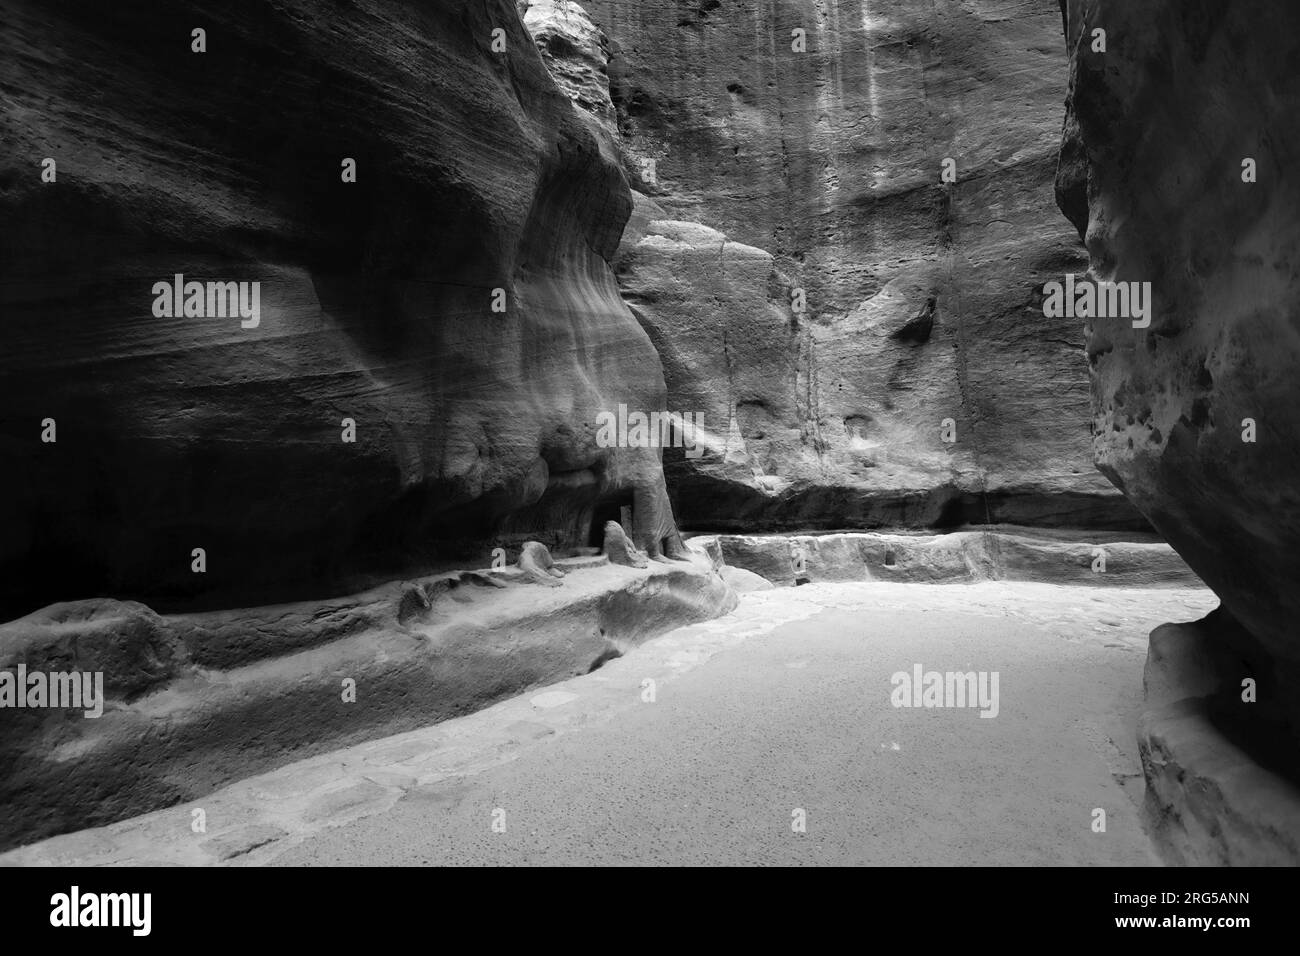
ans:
(772, 174)
(577, 53)
(1000, 553)
(1195, 416)
(473, 428)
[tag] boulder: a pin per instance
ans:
(537, 565)
(619, 549)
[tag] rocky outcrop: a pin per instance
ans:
(992, 554)
(429, 222)
(619, 550)
(1221, 784)
(576, 52)
(537, 565)
(1179, 140)
(865, 340)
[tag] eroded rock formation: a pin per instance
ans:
(189, 702)
(537, 565)
(777, 178)
(990, 554)
(1180, 140)
(619, 550)
(472, 427)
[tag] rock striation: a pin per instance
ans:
(429, 224)
(813, 285)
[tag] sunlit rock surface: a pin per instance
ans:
(771, 172)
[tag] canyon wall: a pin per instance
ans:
(1181, 136)
(815, 289)
(452, 308)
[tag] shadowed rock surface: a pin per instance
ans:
(1157, 135)
(473, 428)
(1221, 782)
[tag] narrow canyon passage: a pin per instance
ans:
(664, 432)
(780, 706)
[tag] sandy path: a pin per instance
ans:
(799, 717)
(782, 705)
